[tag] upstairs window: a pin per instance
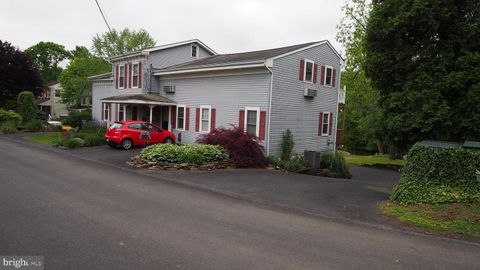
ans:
(328, 75)
(58, 92)
(121, 76)
(135, 75)
(309, 71)
(195, 51)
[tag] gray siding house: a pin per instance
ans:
(189, 89)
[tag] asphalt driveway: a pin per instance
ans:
(350, 199)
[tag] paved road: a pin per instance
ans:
(83, 215)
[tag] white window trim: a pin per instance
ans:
(209, 107)
(106, 107)
(257, 109)
(184, 116)
(325, 79)
(191, 51)
(328, 123)
(305, 70)
(138, 75)
(119, 76)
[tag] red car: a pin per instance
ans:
(134, 133)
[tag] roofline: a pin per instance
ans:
(308, 47)
(94, 77)
(213, 68)
(146, 52)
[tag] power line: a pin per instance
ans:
(103, 16)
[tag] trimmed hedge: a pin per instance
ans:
(195, 154)
(439, 175)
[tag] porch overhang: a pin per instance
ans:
(143, 99)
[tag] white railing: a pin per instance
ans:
(342, 94)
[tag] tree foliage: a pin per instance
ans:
(116, 42)
(362, 122)
(423, 57)
(26, 106)
(47, 57)
(17, 73)
(74, 78)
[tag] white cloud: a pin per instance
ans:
(225, 25)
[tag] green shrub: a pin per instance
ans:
(93, 127)
(8, 127)
(287, 144)
(9, 116)
(26, 105)
(72, 143)
(94, 139)
(292, 165)
(334, 162)
(76, 119)
(438, 175)
(194, 154)
(33, 125)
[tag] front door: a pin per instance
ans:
(134, 112)
(165, 115)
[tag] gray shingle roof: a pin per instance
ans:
(141, 97)
(228, 59)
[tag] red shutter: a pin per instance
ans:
(302, 69)
(334, 77)
(322, 76)
(130, 75)
(330, 124)
(140, 75)
(263, 122)
(197, 120)
(315, 73)
(174, 117)
(213, 119)
(116, 78)
(320, 123)
(187, 118)
(241, 120)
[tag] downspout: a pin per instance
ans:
(269, 113)
(336, 114)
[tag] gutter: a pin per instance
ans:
(269, 113)
(214, 68)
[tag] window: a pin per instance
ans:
(252, 120)
(149, 127)
(116, 126)
(58, 92)
(309, 70)
(181, 117)
(121, 112)
(328, 75)
(135, 75)
(121, 76)
(106, 112)
(137, 126)
(205, 114)
(325, 123)
(195, 51)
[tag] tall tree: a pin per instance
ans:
(115, 43)
(79, 51)
(362, 123)
(74, 78)
(423, 57)
(47, 57)
(17, 73)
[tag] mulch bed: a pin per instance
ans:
(137, 162)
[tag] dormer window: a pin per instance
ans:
(195, 51)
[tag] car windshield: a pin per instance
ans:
(116, 126)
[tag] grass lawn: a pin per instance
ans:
(45, 138)
(372, 160)
(462, 219)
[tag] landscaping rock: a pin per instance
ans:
(137, 162)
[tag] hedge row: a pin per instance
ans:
(439, 175)
(195, 154)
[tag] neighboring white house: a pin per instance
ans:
(50, 102)
(189, 89)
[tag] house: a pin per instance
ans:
(189, 89)
(49, 101)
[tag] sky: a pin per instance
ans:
(225, 26)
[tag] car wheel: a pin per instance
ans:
(168, 140)
(126, 144)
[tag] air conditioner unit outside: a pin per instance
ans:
(310, 92)
(169, 89)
